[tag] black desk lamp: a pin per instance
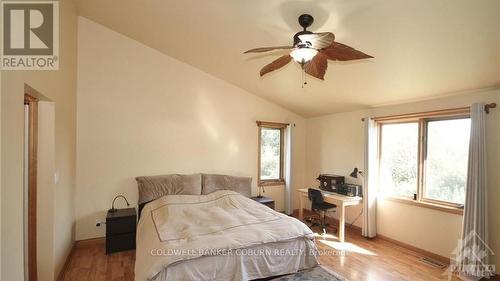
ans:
(112, 210)
(261, 188)
(355, 173)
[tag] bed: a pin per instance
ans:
(185, 233)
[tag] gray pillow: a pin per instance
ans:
(154, 187)
(212, 183)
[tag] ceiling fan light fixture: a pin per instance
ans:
(311, 51)
(303, 55)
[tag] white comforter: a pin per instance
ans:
(178, 228)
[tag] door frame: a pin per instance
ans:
(32, 103)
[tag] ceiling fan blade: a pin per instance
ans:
(318, 40)
(341, 52)
(278, 63)
(267, 49)
(317, 66)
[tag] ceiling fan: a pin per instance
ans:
(311, 50)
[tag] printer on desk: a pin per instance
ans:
(350, 189)
(335, 183)
(328, 182)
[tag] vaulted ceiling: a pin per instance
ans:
(423, 48)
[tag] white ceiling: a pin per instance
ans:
(422, 48)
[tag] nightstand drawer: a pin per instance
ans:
(121, 242)
(264, 201)
(269, 204)
(120, 226)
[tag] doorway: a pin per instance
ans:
(30, 185)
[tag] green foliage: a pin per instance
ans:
(270, 153)
(399, 159)
(445, 159)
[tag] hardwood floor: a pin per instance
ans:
(376, 259)
(363, 259)
(89, 262)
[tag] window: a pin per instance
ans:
(446, 160)
(271, 136)
(424, 158)
(398, 162)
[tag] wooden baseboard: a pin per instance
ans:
(423, 252)
(90, 242)
(356, 228)
(494, 278)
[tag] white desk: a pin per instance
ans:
(334, 198)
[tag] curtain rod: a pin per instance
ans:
(487, 108)
(267, 123)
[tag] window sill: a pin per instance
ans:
(428, 205)
(272, 182)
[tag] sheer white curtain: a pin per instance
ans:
(369, 228)
(288, 169)
(473, 249)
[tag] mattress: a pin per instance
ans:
(219, 236)
(260, 261)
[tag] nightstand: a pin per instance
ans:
(265, 200)
(120, 230)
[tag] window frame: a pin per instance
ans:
(276, 126)
(379, 154)
(422, 119)
(424, 158)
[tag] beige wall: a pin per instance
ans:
(141, 112)
(45, 191)
(59, 86)
(335, 145)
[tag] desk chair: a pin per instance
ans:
(318, 205)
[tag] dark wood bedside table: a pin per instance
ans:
(265, 200)
(120, 230)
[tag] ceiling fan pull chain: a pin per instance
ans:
(304, 77)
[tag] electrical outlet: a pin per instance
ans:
(98, 223)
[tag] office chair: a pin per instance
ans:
(318, 205)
